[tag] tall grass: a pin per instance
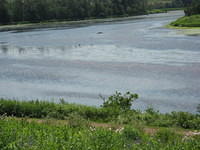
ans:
(24, 135)
(65, 111)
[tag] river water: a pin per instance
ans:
(80, 63)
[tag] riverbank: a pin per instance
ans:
(69, 24)
(66, 24)
(187, 21)
(63, 110)
(40, 125)
(188, 25)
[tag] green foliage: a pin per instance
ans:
(120, 102)
(23, 135)
(79, 115)
(45, 10)
(76, 121)
(162, 4)
(193, 8)
(186, 120)
(42, 109)
(132, 134)
(187, 21)
(4, 14)
(166, 135)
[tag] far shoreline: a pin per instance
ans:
(69, 24)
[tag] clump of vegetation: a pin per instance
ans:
(193, 8)
(50, 10)
(132, 134)
(26, 11)
(113, 126)
(167, 135)
(120, 102)
(192, 15)
(187, 21)
(116, 109)
(24, 135)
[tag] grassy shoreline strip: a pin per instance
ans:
(41, 125)
(24, 135)
(81, 113)
(187, 22)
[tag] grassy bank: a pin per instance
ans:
(187, 21)
(64, 111)
(39, 125)
(25, 135)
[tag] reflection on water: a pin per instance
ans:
(161, 65)
(4, 49)
(106, 53)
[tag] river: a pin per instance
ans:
(80, 63)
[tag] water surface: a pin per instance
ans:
(79, 64)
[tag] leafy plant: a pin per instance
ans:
(166, 135)
(198, 108)
(120, 102)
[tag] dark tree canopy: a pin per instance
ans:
(4, 14)
(12, 11)
(193, 8)
(44, 10)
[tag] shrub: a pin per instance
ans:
(186, 120)
(76, 121)
(166, 135)
(120, 102)
(132, 134)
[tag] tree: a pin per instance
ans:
(4, 15)
(120, 102)
(193, 8)
(44, 10)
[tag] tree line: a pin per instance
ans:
(12, 11)
(43, 10)
(193, 8)
(159, 4)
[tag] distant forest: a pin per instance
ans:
(15, 11)
(193, 8)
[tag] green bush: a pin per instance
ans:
(120, 102)
(76, 121)
(23, 135)
(109, 113)
(166, 135)
(187, 21)
(132, 134)
(186, 120)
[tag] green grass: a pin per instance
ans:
(62, 110)
(187, 21)
(163, 10)
(24, 135)
(39, 125)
